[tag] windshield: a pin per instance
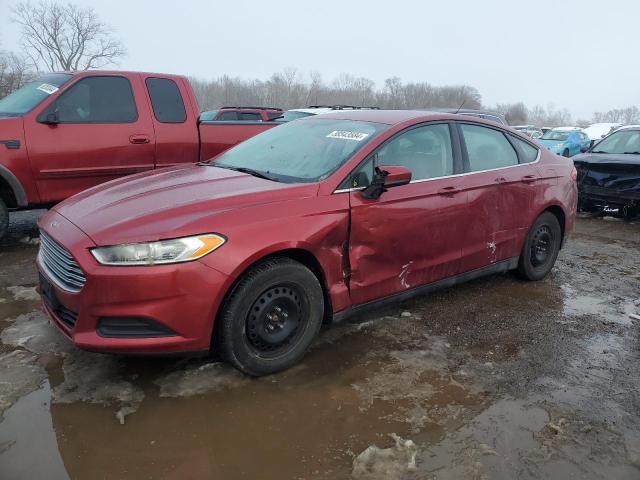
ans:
(555, 135)
(291, 115)
(305, 151)
(623, 141)
(31, 95)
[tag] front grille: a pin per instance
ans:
(60, 265)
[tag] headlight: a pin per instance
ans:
(159, 253)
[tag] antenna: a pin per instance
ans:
(461, 105)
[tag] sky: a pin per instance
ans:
(579, 55)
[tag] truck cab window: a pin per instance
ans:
(166, 100)
(95, 100)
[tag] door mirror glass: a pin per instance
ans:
(52, 118)
(385, 177)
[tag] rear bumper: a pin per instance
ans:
(175, 304)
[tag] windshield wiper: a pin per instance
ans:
(598, 151)
(250, 171)
(632, 153)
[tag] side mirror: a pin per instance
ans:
(584, 149)
(51, 119)
(386, 177)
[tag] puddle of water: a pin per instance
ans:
(203, 420)
(576, 304)
(28, 445)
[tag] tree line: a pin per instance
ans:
(59, 36)
(289, 89)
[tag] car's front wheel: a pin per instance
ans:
(566, 153)
(541, 248)
(271, 317)
(4, 219)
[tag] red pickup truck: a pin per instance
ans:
(66, 132)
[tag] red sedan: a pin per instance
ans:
(303, 224)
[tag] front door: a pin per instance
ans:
(100, 135)
(411, 235)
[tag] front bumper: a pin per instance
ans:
(181, 300)
(609, 196)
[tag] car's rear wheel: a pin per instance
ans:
(541, 248)
(565, 153)
(4, 218)
(271, 317)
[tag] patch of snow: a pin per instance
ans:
(392, 463)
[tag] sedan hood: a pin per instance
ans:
(593, 158)
(169, 203)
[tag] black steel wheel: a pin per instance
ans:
(541, 247)
(271, 317)
(274, 318)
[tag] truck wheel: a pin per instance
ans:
(271, 317)
(4, 219)
(565, 153)
(541, 248)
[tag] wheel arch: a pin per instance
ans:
(560, 214)
(300, 255)
(11, 190)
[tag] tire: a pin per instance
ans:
(541, 248)
(4, 219)
(566, 153)
(271, 317)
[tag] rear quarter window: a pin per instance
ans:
(526, 152)
(166, 100)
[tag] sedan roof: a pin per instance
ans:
(392, 117)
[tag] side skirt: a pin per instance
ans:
(498, 267)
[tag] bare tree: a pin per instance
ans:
(65, 36)
(14, 72)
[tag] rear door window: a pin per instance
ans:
(95, 100)
(166, 100)
(487, 148)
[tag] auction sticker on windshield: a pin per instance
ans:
(47, 88)
(347, 135)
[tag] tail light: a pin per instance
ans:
(574, 174)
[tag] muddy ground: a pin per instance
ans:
(497, 378)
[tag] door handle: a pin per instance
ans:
(528, 179)
(138, 139)
(451, 190)
(500, 180)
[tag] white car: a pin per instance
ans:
(598, 131)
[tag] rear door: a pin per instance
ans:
(104, 132)
(412, 234)
(500, 193)
(175, 125)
